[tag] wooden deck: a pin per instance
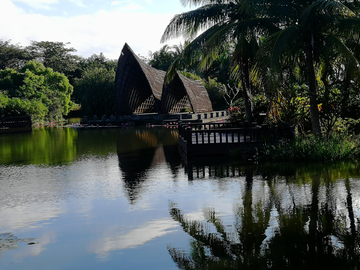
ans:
(15, 124)
(217, 138)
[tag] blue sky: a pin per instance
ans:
(91, 26)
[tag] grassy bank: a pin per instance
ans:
(313, 148)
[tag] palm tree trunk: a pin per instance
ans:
(246, 89)
(314, 111)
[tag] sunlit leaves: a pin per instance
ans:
(36, 91)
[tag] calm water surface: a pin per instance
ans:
(123, 199)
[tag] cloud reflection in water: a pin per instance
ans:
(134, 238)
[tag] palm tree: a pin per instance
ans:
(309, 32)
(224, 25)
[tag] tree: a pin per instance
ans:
(96, 60)
(12, 56)
(94, 91)
(308, 32)
(163, 58)
(94, 85)
(229, 25)
(35, 90)
(55, 55)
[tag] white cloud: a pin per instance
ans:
(104, 31)
(131, 7)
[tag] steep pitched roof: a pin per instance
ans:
(140, 88)
(182, 93)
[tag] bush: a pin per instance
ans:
(314, 148)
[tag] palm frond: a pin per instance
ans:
(203, 2)
(188, 24)
(283, 42)
(348, 27)
(328, 9)
(337, 49)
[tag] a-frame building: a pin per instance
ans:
(140, 89)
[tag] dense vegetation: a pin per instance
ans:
(35, 90)
(48, 81)
(296, 60)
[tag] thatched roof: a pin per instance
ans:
(182, 93)
(138, 86)
(140, 89)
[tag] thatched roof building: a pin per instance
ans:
(141, 89)
(138, 86)
(183, 94)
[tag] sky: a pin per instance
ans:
(91, 26)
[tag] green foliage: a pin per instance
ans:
(163, 58)
(216, 96)
(318, 38)
(55, 55)
(94, 86)
(39, 90)
(95, 91)
(280, 48)
(213, 88)
(35, 90)
(314, 148)
(290, 107)
(95, 61)
(229, 40)
(236, 115)
(12, 56)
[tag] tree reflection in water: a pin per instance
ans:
(306, 220)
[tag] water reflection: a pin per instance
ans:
(115, 239)
(302, 218)
(9, 241)
(42, 146)
(141, 150)
(105, 204)
(63, 146)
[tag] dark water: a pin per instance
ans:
(123, 199)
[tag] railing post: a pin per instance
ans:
(189, 135)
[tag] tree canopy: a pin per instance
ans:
(89, 81)
(311, 43)
(36, 91)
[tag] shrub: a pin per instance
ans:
(314, 148)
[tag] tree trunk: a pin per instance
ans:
(314, 111)
(246, 89)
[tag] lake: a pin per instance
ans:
(124, 199)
